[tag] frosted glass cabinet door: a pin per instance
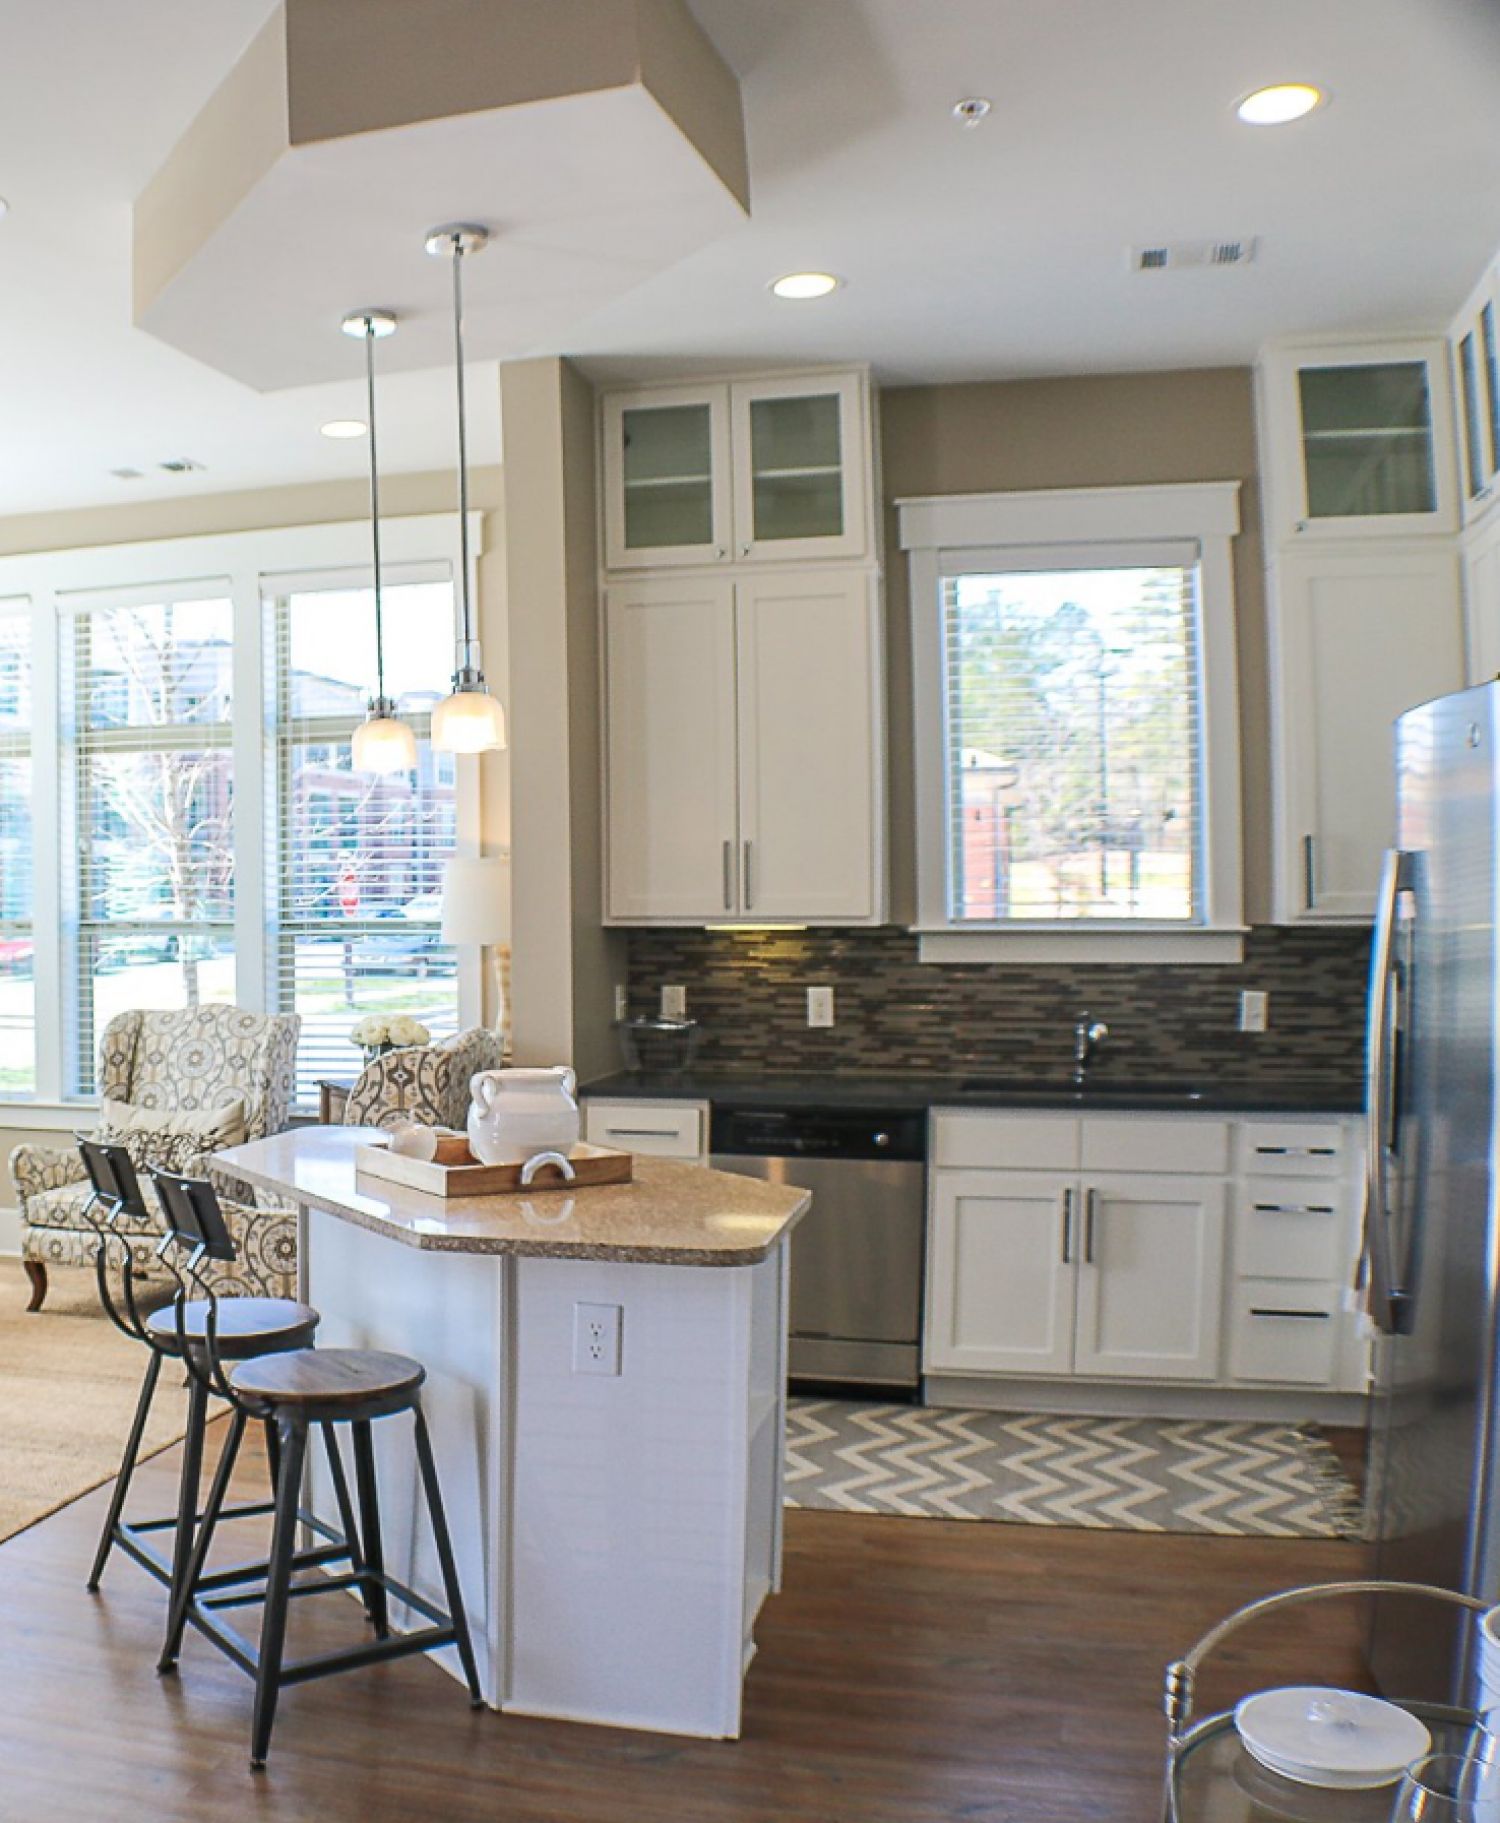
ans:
(666, 477)
(799, 468)
(1475, 342)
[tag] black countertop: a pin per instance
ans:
(726, 1089)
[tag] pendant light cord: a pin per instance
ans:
(463, 450)
(375, 509)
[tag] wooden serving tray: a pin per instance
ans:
(592, 1164)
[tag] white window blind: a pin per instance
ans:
(17, 962)
(355, 860)
(150, 897)
(1073, 725)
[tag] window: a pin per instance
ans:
(1075, 721)
(1072, 744)
(357, 859)
(152, 797)
(17, 955)
(179, 820)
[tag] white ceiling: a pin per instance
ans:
(995, 252)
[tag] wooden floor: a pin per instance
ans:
(912, 1670)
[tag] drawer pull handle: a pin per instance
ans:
(1315, 1316)
(644, 1133)
(1296, 1151)
(1294, 1209)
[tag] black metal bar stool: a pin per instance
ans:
(296, 1390)
(247, 1327)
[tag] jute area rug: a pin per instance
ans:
(68, 1387)
(1238, 1480)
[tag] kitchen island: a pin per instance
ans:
(606, 1393)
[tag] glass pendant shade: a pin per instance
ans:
(381, 743)
(468, 721)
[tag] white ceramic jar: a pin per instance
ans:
(518, 1113)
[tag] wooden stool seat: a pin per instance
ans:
(244, 1327)
(329, 1377)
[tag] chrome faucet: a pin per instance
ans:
(1088, 1035)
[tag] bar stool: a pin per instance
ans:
(248, 1327)
(296, 1390)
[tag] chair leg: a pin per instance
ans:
(192, 1478)
(273, 1452)
(127, 1468)
(369, 1513)
(278, 1581)
(182, 1598)
(37, 1273)
(346, 1517)
(444, 1544)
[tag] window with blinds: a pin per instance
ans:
(1073, 729)
(147, 707)
(355, 861)
(17, 962)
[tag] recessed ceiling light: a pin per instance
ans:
(805, 285)
(344, 427)
(1275, 106)
(971, 110)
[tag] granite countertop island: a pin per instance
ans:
(671, 1214)
(606, 1396)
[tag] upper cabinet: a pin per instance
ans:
(742, 471)
(1476, 385)
(1358, 438)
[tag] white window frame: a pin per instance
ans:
(247, 560)
(948, 534)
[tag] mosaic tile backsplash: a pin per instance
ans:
(894, 1014)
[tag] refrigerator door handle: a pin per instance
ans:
(1378, 1265)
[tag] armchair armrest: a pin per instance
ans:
(34, 1169)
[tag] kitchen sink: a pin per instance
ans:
(1097, 1091)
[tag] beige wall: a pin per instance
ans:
(563, 963)
(1106, 430)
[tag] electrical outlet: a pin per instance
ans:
(622, 1001)
(596, 1338)
(820, 1006)
(1254, 1011)
(674, 1003)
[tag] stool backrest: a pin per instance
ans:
(190, 1207)
(112, 1177)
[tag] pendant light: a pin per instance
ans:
(470, 720)
(382, 743)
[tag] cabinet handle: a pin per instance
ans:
(1309, 874)
(1067, 1219)
(744, 550)
(1296, 1151)
(728, 874)
(1090, 1210)
(1315, 1316)
(1293, 1209)
(749, 899)
(719, 551)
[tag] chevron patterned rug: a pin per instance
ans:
(1112, 1474)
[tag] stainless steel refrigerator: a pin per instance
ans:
(1431, 1225)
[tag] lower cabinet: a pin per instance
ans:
(1232, 1276)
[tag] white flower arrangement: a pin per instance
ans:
(377, 1029)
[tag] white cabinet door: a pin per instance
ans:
(666, 476)
(1002, 1260)
(802, 484)
(670, 749)
(1150, 1277)
(811, 756)
(1358, 635)
(1481, 560)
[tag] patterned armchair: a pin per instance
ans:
(201, 1058)
(429, 1083)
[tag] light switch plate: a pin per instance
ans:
(820, 1006)
(674, 1002)
(622, 1001)
(1254, 1011)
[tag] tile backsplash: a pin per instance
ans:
(748, 990)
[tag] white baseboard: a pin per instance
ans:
(1091, 1399)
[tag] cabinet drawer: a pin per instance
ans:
(1290, 1228)
(658, 1129)
(1285, 1333)
(1293, 1149)
(1156, 1143)
(1006, 1142)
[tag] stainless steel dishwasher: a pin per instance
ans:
(856, 1267)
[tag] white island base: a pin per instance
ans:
(615, 1534)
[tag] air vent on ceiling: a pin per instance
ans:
(1178, 256)
(181, 465)
(128, 474)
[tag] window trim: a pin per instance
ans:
(942, 532)
(57, 584)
